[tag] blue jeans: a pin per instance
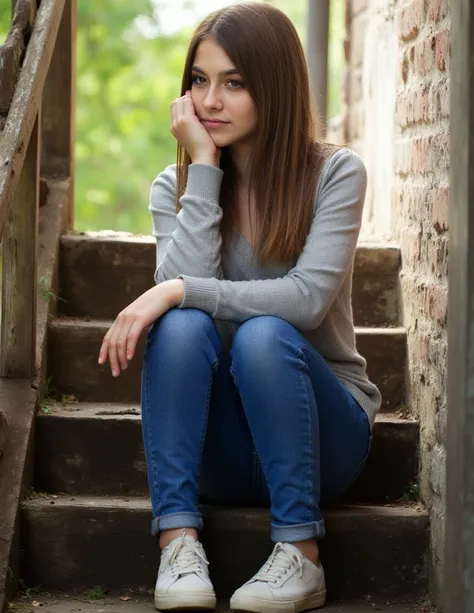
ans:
(268, 424)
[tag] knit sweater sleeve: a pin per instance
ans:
(188, 242)
(303, 296)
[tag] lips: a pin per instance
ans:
(212, 120)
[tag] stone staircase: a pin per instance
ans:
(88, 523)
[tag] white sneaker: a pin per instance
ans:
(183, 579)
(287, 583)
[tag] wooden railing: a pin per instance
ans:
(36, 146)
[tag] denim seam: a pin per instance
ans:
(146, 403)
(255, 476)
(214, 367)
(300, 354)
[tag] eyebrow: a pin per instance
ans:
(224, 73)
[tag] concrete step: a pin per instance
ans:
(78, 541)
(101, 273)
(70, 442)
(73, 350)
(67, 603)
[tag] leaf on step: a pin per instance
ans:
(36, 603)
(125, 598)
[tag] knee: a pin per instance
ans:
(259, 343)
(181, 329)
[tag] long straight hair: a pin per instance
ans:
(287, 154)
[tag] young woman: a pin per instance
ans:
(253, 391)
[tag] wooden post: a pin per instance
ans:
(20, 245)
(57, 154)
(458, 592)
(317, 52)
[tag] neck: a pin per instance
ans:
(240, 153)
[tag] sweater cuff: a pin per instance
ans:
(199, 294)
(204, 181)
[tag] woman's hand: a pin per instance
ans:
(189, 131)
(121, 340)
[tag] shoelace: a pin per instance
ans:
(186, 557)
(278, 564)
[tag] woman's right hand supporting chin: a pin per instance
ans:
(189, 131)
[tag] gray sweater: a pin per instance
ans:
(313, 293)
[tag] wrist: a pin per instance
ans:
(209, 160)
(175, 291)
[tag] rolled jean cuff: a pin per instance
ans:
(299, 532)
(176, 520)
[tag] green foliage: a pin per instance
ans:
(125, 83)
(96, 593)
(5, 19)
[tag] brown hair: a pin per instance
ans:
(287, 156)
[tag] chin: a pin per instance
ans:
(222, 142)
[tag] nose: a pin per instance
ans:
(212, 99)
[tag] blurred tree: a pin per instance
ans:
(125, 83)
(5, 18)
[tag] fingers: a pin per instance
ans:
(121, 345)
(117, 346)
(188, 104)
(132, 338)
(180, 108)
(113, 358)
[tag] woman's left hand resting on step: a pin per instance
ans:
(121, 340)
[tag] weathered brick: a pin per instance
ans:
(439, 149)
(404, 68)
(358, 39)
(441, 425)
(411, 20)
(412, 244)
(403, 157)
(435, 254)
(359, 6)
(434, 10)
(442, 46)
(355, 85)
(438, 470)
(416, 106)
(440, 199)
(421, 155)
(419, 211)
(425, 55)
(356, 122)
(444, 101)
(437, 10)
(437, 302)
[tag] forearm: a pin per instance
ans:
(296, 300)
(190, 242)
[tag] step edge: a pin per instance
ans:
(85, 410)
(142, 503)
(69, 322)
(109, 236)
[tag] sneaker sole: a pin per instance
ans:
(255, 605)
(196, 601)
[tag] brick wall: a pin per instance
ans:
(417, 208)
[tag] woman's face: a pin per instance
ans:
(219, 93)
